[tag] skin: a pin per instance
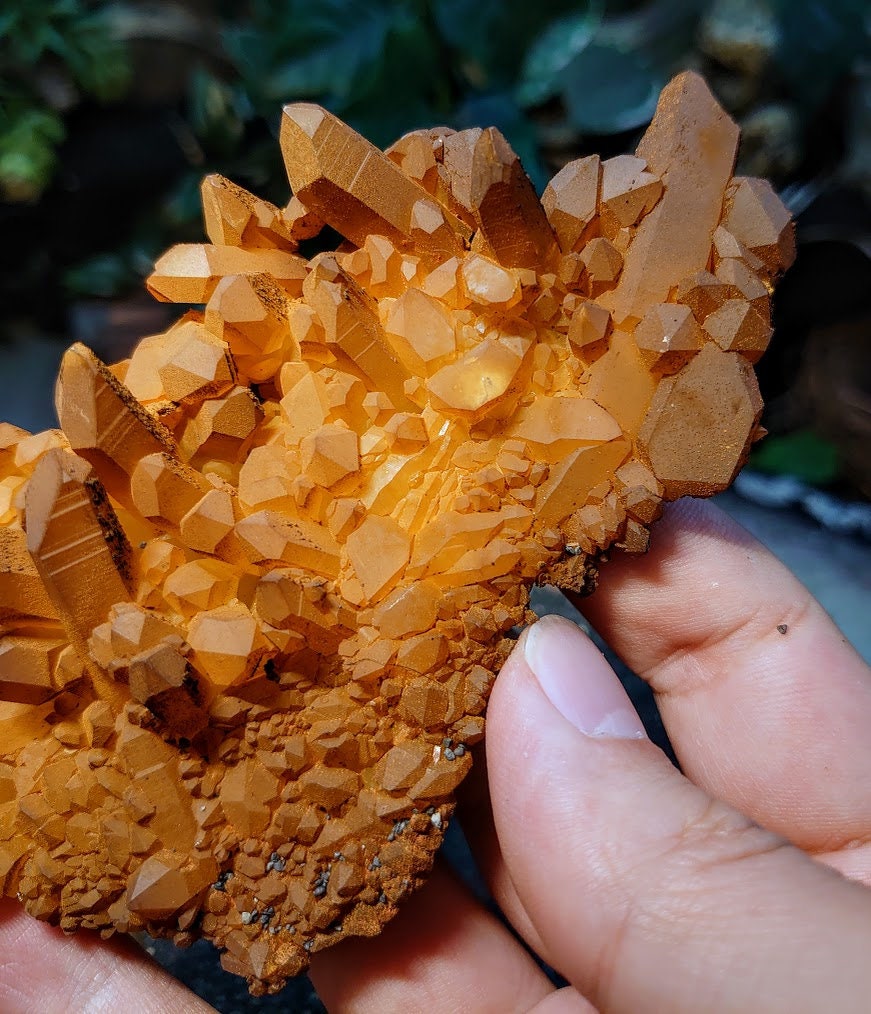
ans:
(741, 884)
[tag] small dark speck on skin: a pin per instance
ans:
(782, 628)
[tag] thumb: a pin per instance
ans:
(646, 893)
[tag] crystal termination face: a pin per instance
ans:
(255, 589)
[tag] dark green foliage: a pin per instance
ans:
(491, 37)
(28, 138)
(323, 51)
(551, 53)
(76, 33)
(50, 50)
(803, 454)
(819, 42)
(216, 112)
(558, 77)
(387, 66)
(626, 87)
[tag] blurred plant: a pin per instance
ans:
(390, 66)
(51, 52)
(802, 453)
(549, 75)
(556, 77)
(560, 78)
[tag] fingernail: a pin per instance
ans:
(578, 681)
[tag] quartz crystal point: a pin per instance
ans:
(256, 588)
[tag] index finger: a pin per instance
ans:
(766, 703)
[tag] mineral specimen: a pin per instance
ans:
(257, 586)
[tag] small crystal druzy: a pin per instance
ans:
(256, 588)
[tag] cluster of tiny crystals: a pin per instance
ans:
(255, 589)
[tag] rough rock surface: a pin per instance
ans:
(256, 588)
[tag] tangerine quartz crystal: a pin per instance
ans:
(257, 586)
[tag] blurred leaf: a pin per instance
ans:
(213, 112)
(802, 454)
(553, 51)
(112, 273)
(299, 50)
(35, 36)
(662, 32)
(492, 36)
(819, 40)
(51, 40)
(27, 152)
(104, 275)
(400, 92)
(76, 33)
(607, 90)
(183, 206)
(99, 62)
(333, 70)
(259, 165)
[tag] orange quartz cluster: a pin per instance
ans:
(255, 589)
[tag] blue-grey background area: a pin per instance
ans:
(835, 567)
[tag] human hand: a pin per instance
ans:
(648, 890)
(736, 886)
